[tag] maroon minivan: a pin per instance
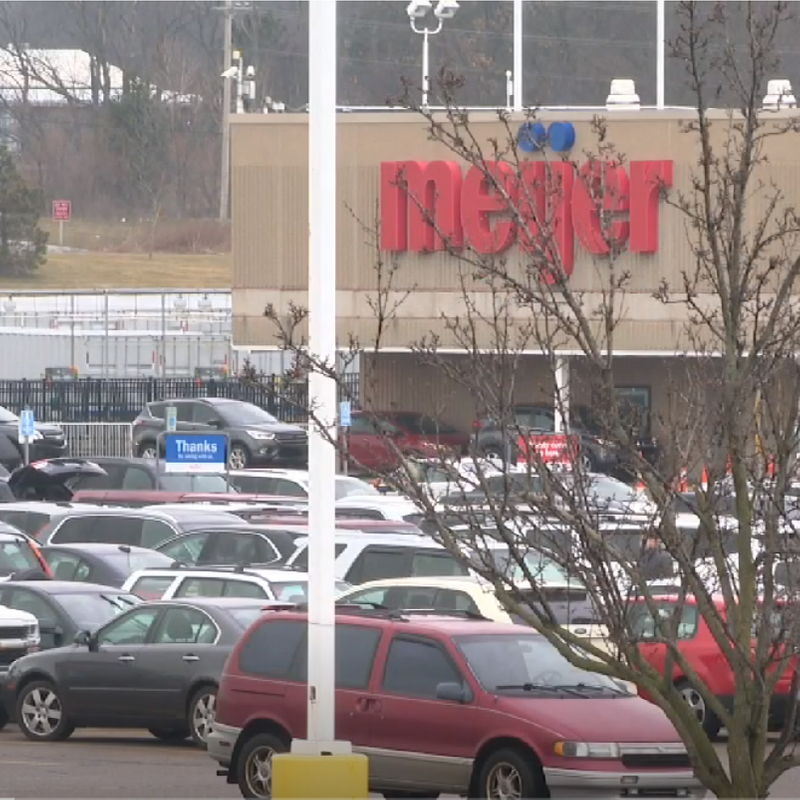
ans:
(446, 704)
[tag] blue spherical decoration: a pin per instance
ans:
(561, 136)
(532, 137)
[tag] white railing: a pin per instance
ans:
(88, 439)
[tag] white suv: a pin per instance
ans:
(294, 483)
(362, 557)
(285, 585)
(19, 636)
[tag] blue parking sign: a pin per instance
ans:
(345, 417)
(27, 425)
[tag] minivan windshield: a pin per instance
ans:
(244, 414)
(525, 662)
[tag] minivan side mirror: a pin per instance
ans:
(50, 626)
(454, 692)
(86, 639)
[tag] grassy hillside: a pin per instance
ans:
(186, 254)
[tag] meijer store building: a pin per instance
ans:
(270, 245)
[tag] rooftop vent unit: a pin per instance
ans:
(623, 96)
(779, 95)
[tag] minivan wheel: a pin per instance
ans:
(705, 716)
(239, 457)
(510, 775)
(201, 714)
(254, 765)
(148, 450)
(41, 714)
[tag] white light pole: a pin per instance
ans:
(517, 72)
(322, 389)
(660, 54)
(417, 10)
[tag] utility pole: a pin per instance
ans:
(225, 167)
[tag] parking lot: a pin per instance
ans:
(118, 763)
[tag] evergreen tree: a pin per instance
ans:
(23, 244)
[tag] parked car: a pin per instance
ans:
(568, 602)
(30, 516)
(362, 557)
(699, 647)
(344, 523)
(596, 453)
(157, 666)
(238, 545)
(20, 556)
(19, 635)
(133, 498)
(285, 585)
(294, 483)
(52, 480)
(107, 564)
(256, 437)
(132, 526)
(375, 439)
(146, 474)
(389, 507)
(64, 608)
(445, 705)
(48, 442)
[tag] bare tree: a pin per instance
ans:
(649, 579)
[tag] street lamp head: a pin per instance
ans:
(418, 9)
(446, 9)
(231, 72)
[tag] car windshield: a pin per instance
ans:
(543, 569)
(353, 487)
(7, 416)
(16, 556)
(244, 414)
(290, 591)
(610, 490)
(91, 610)
(128, 563)
(201, 484)
(526, 660)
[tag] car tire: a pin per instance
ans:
(399, 795)
(170, 734)
(201, 714)
(239, 457)
(254, 765)
(40, 713)
(511, 773)
(707, 718)
(147, 450)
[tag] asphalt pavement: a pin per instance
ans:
(132, 764)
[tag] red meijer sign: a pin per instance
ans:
(467, 211)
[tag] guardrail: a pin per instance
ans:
(88, 439)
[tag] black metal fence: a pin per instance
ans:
(121, 399)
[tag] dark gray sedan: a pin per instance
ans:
(157, 666)
(109, 564)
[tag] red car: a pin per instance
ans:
(700, 649)
(446, 704)
(411, 432)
